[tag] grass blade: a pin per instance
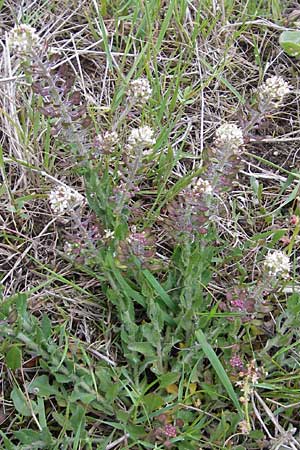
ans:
(215, 362)
(159, 289)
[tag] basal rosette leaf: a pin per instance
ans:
(290, 43)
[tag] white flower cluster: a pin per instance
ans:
(141, 138)
(140, 91)
(23, 39)
(202, 187)
(229, 136)
(277, 264)
(108, 234)
(63, 199)
(273, 90)
(69, 248)
(107, 141)
(244, 427)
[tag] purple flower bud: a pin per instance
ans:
(170, 431)
(236, 362)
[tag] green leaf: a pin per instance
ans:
(20, 402)
(290, 42)
(78, 417)
(27, 436)
(46, 327)
(41, 387)
(78, 424)
(127, 289)
(293, 305)
(168, 378)
(112, 392)
(21, 304)
(289, 199)
(42, 413)
(84, 397)
(41, 439)
(152, 402)
(62, 420)
(186, 446)
(159, 289)
(142, 347)
(136, 431)
(104, 36)
(277, 235)
(123, 417)
(8, 444)
(165, 24)
(215, 362)
(13, 358)
(256, 434)
(61, 378)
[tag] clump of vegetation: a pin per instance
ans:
(150, 222)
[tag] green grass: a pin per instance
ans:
(131, 329)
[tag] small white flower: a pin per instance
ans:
(140, 91)
(107, 141)
(202, 187)
(141, 138)
(277, 264)
(23, 38)
(273, 90)
(68, 248)
(229, 136)
(108, 234)
(255, 376)
(63, 199)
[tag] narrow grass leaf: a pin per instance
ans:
(215, 362)
(128, 290)
(159, 289)
(165, 25)
(8, 444)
